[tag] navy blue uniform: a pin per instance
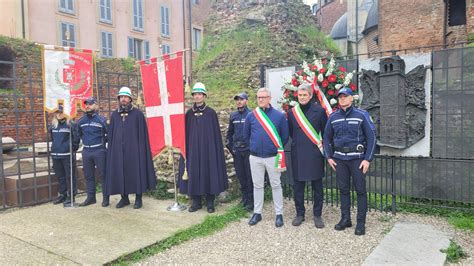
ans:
(92, 129)
(239, 146)
(306, 158)
(349, 138)
(61, 155)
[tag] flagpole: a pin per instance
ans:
(176, 207)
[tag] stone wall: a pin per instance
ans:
(407, 23)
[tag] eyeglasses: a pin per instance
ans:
(263, 97)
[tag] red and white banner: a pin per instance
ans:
(163, 91)
(67, 76)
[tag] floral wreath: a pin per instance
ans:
(325, 77)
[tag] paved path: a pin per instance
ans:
(410, 244)
(51, 234)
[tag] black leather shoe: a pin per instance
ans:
(60, 199)
(124, 201)
(194, 208)
(138, 201)
(106, 201)
(256, 217)
(211, 209)
(318, 222)
(67, 201)
(343, 224)
(297, 221)
(88, 201)
(360, 230)
(279, 220)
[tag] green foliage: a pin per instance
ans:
(454, 252)
(209, 226)
(161, 191)
(128, 64)
(22, 49)
(462, 222)
(313, 40)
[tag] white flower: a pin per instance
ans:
(333, 101)
(356, 97)
(320, 77)
(293, 88)
(293, 103)
(329, 72)
(318, 63)
(338, 86)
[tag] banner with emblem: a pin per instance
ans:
(67, 78)
(163, 91)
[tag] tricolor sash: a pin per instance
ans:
(272, 132)
(307, 128)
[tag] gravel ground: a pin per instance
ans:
(239, 243)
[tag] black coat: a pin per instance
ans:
(129, 162)
(307, 162)
(205, 161)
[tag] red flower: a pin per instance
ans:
(294, 82)
(322, 70)
(342, 69)
(325, 83)
(314, 68)
(299, 72)
(342, 76)
(353, 87)
(286, 94)
(325, 61)
(331, 92)
(332, 78)
(295, 94)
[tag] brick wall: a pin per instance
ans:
(414, 23)
(372, 47)
(330, 13)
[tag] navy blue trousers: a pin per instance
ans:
(317, 189)
(90, 160)
(344, 171)
(242, 170)
(62, 171)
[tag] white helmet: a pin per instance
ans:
(199, 87)
(125, 91)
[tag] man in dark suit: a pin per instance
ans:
(306, 122)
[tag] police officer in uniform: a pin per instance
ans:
(239, 147)
(60, 130)
(92, 129)
(349, 144)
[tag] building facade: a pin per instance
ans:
(115, 28)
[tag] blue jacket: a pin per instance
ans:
(260, 144)
(60, 140)
(92, 129)
(347, 129)
(236, 140)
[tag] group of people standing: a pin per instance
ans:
(119, 150)
(346, 139)
(256, 139)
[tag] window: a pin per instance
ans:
(105, 11)
(66, 6)
(138, 49)
(68, 34)
(456, 12)
(315, 8)
(165, 49)
(138, 15)
(165, 21)
(106, 44)
(196, 39)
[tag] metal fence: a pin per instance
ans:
(26, 176)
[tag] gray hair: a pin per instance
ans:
(306, 87)
(265, 90)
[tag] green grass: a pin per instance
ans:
(209, 226)
(462, 222)
(454, 252)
